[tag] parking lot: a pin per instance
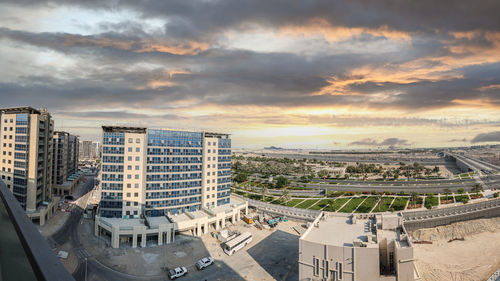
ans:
(272, 255)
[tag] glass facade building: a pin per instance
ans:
(156, 172)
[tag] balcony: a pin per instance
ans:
(25, 254)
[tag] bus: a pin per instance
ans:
(237, 243)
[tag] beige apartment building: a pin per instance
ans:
(26, 148)
(162, 180)
(356, 248)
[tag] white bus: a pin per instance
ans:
(237, 243)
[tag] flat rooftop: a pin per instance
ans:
(24, 109)
(340, 231)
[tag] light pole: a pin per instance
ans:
(85, 268)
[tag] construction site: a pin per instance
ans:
(461, 251)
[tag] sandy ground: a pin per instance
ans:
(473, 259)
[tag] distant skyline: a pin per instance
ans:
(293, 74)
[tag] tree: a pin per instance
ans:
(414, 197)
(241, 177)
(396, 176)
(447, 192)
(285, 196)
(436, 169)
(323, 173)
(264, 191)
(495, 195)
(460, 190)
(477, 187)
(281, 182)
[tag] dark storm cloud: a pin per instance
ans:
(408, 15)
(215, 75)
(487, 137)
(385, 142)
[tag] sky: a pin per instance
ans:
(344, 74)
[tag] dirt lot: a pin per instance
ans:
(473, 259)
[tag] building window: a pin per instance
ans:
(136, 203)
(137, 158)
(315, 266)
(137, 140)
(128, 194)
(340, 270)
(129, 140)
(130, 149)
(129, 185)
(129, 176)
(136, 168)
(136, 194)
(129, 167)
(129, 158)
(127, 204)
(136, 177)
(136, 185)
(137, 149)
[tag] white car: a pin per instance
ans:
(177, 272)
(204, 262)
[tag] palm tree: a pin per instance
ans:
(414, 197)
(264, 191)
(285, 196)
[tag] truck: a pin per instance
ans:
(247, 219)
(177, 272)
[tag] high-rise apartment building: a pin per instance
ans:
(89, 150)
(158, 172)
(65, 157)
(26, 158)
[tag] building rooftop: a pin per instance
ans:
(354, 230)
(340, 231)
(23, 109)
(124, 129)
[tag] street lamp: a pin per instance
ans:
(85, 268)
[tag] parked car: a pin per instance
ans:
(177, 272)
(204, 262)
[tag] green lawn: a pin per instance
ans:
(431, 201)
(351, 206)
(462, 198)
(367, 205)
(307, 203)
(269, 198)
(384, 204)
(293, 202)
(419, 200)
(399, 203)
(443, 198)
(322, 203)
(334, 205)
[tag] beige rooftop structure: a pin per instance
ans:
(356, 248)
(161, 230)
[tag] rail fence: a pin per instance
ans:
(280, 209)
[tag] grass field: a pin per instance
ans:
(399, 203)
(384, 204)
(307, 203)
(462, 198)
(334, 205)
(293, 202)
(351, 206)
(322, 203)
(367, 205)
(431, 201)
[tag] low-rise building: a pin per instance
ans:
(356, 248)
